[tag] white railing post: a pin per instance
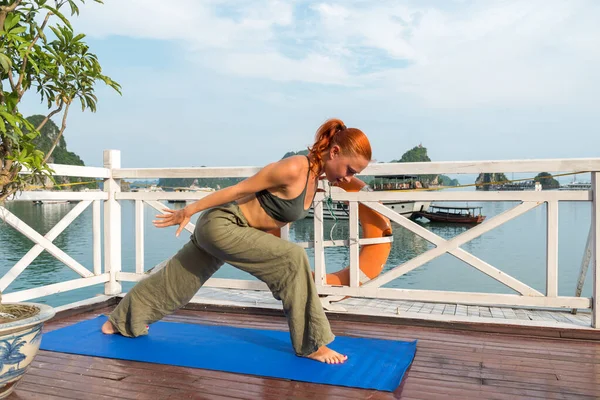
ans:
(97, 237)
(139, 237)
(112, 224)
(552, 249)
(319, 246)
(353, 248)
(285, 232)
(595, 249)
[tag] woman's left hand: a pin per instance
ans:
(172, 217)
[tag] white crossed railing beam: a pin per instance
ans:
(585, 263)
(44, 242)
(55, 288)
(41, 243)
(452, 246)
(37, 249)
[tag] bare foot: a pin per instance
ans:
(108, 328)
(326, 355)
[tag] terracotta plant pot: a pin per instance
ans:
(19, 342)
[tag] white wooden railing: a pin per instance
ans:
(89, 277)
(113, 276)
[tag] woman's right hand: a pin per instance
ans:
(173, 217)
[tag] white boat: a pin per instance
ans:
(516, 186)
(405, 208)
(576, 186)
(190, 189)
(384, 183)
(151, 188)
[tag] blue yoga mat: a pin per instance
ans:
(372, 363)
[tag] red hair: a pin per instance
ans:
(352, 141)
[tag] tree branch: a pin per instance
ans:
(12, 82)
(5, 174)
(3, 195)
(10, 7)
(35, 39)
(62, 129)
(50, 116)
(4, 10)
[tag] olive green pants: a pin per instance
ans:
(222, 235)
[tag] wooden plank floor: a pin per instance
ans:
(449, 364)
(411, 309)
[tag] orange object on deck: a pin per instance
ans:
(372, 257)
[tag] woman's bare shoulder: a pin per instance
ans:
(294, 166)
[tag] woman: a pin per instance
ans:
(234, 230)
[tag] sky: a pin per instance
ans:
(240, 83)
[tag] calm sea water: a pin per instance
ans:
(517, 248)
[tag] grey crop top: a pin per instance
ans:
(281, 209)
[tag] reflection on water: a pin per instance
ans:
(517, 248)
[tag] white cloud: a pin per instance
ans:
(511, 53)
(243, 42)
(472, 54)
(314, 68)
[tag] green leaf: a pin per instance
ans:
(11, 100)
(5, 62)
(17, 30)
(17, 38)
(11, 20)
(34, 65)
(74, 8)
(59, 35)
(59, 15)
(9, 117)
(42, 35)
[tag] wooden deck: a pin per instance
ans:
(450, 363)
(403, 309)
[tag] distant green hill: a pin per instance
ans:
(485, 181)
(547, 181)
(416, 154)
(419, 154)
(60, 155)
(447, 181)
(295, 153)
(48, 134)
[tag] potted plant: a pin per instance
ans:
(38, 50)
(20, 335)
